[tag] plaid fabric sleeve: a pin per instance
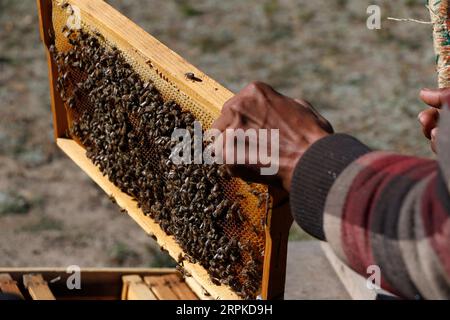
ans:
(379, 208)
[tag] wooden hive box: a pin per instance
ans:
(203, 98)
(98, 284)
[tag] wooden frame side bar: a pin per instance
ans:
(278, 224)
(60, 124)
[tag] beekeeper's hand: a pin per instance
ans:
(259, 106)
(429, 118)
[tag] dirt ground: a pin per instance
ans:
(366, 82)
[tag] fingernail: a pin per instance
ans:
(420, 116)
(434, 133)
(426, 89)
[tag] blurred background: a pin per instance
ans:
(365, 82)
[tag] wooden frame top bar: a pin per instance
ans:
(208, 93)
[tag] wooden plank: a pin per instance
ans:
(199, 291)
(97, 271)
(89, 275)
(77, 154)
(135, 289)
(354, 283)
(9, 286)
(180, 288)
(95, 282)
(37, 287)
(277, 228)
(60, 125)
(160, 287)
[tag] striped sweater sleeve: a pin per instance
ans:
(379, 208)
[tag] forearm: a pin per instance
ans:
(375, 208)
(314, 176)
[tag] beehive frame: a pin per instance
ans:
(208, 94)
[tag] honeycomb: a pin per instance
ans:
(243, 232)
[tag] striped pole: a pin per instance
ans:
(440, 16)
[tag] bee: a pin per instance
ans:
(184, 272)
(51, 36)
(206, 293)
(191, 76)
(99, 35)
(71, 102)
(216, 281)
(262, 199)
(52, 49)
(111, 197)
(256, 230)
(263, 222)
(240, 215)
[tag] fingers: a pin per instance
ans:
(248, 173)
(225, 119)
(435, 97)
(253, 102)
(429, 120)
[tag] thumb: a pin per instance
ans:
(324, 123)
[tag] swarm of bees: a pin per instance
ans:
(126, 130)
